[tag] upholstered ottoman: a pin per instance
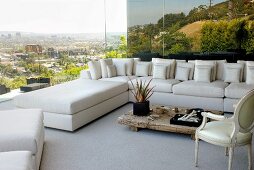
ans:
(22, 130)
(16, 160)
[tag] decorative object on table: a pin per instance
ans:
(141, 92)
(192, 118)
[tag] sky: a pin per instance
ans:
(138, 15)
(63, 16)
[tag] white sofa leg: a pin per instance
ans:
(196, 151)
(231, 153)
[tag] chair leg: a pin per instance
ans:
(231, 153)
(196, 151)
(226, 151)
(249, 156)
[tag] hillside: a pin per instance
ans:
(193, 31)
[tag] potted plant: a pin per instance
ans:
(141, 92)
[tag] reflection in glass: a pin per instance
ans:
(143, 30)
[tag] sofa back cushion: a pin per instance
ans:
(233, 72)
(95, 69)
(128, 62)
(111, 70)
(135, 60)
(190, 65)
(206, 63)
(250, 72)
(104, 63)
(244, 69)
(171, 65)
(220, 69)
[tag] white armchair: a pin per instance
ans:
(229, 132)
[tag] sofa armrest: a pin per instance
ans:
(85, 74)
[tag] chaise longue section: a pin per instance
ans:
(71, 105)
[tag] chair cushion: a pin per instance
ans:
(21, 129)
(200, 89)
(237, 90)
(220, 131)
(16, 160)
(160, 85)
(71, 97)
(119, 78)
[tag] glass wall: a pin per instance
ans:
(116, 28)
(145, 23)
(56, 38)
(176, 26)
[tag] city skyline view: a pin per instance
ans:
(76, 16)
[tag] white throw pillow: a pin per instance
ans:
(128, 64)
(171, 64)
(250, 72)
(229, 67)
(142, 69)
(203, 73)
(111, 70)
(182, 73)
(160, 71)
(120, 69)
(95, 69)
(207, 63)
(232, 75)
(104, 63)
(186, 65)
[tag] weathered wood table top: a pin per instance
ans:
(159, 119)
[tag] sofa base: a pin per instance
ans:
(38, 156)
(229, 103)
(169, 99)
(75, 121)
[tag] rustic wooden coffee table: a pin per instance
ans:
(159, 119)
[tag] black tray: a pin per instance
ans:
(174, 120)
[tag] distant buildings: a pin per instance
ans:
(34, 48)
(18, 35)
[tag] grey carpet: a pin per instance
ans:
(106, 145)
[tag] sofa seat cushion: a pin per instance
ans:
(119, 78)
(200, 89)
(71, 97)
(160, 85)
(21, 129)
(237, 90)
(16, 160)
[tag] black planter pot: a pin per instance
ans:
(141, 109)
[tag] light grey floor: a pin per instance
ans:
(106, 145)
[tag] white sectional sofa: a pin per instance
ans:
(22, 130)
(205, 84)
(16, 160)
